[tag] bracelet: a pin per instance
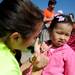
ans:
(32, 59)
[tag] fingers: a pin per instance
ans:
(37, 41)
(43, 61)
(40, 48)
(44, 47)
(37, 46)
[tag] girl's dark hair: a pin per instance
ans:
(18, 16)
(52, 2)
(60, 19)
(18, 56)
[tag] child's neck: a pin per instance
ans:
(54, 46)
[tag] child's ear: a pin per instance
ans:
(15, 36)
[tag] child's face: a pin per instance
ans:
(61, 34)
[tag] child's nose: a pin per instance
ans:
(63, 37)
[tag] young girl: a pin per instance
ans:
(20, 24)
(61, 56)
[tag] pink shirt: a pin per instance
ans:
(61, 61)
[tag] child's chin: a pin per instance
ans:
(59, 45)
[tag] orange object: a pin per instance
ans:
(48, 14)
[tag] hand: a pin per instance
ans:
(42, 61)
(37, 47)
(39, 50)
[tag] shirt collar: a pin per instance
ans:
(3, 46)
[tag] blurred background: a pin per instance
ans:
(67, 6)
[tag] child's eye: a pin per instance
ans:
(59, 32)
(67, 34)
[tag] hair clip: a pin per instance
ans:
(60, 18)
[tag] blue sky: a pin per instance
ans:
(68, 6)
